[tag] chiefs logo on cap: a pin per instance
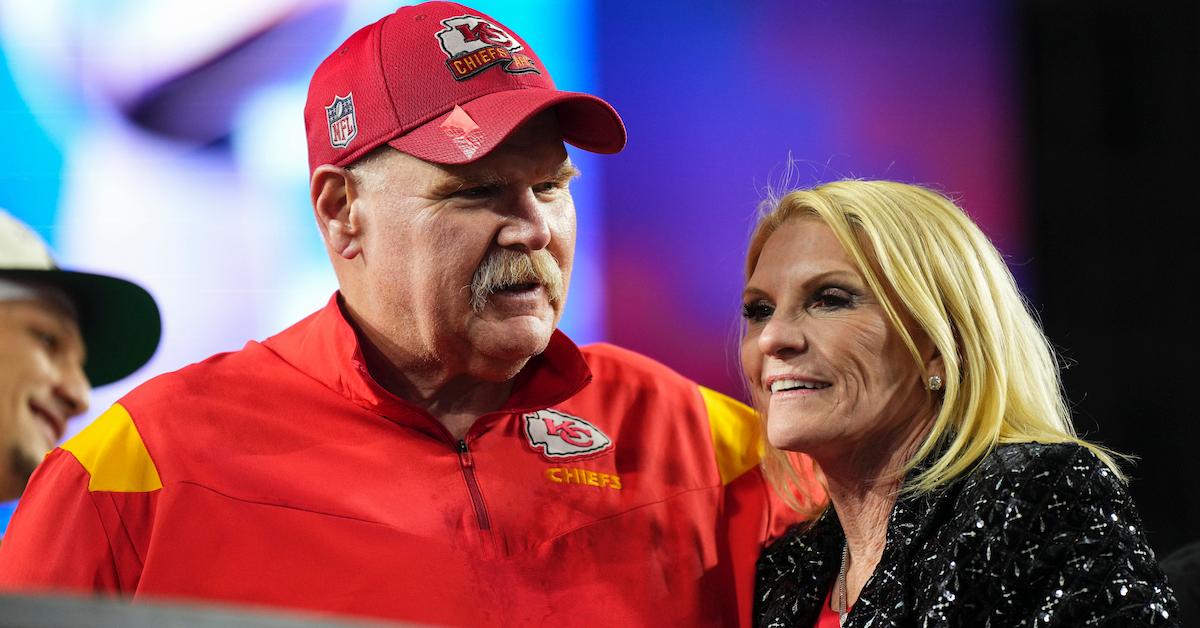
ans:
(558, 435)
(475, 44)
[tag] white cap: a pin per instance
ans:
(118, 319)
(20, 246)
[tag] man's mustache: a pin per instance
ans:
(505, 268)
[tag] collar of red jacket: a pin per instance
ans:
(325, 347)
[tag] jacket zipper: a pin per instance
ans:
(468, 467)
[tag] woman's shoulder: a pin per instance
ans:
(1040, 488)
(1038, 471)
(1051, 527)
(1037, 457)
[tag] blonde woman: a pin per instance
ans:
(887, 341)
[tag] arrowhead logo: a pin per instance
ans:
(557, 435)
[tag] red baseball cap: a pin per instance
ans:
(444, 83)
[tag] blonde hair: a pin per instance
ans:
(1002, 380)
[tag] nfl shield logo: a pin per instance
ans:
(342, 126)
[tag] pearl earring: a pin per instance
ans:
(935, 383)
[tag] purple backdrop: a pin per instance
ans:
(717, 95)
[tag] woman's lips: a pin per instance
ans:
(794, 384)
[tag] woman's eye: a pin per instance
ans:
(757, 311)
(832, 299)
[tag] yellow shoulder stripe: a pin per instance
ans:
(736, 434)
(113, 453)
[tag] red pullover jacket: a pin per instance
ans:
(608, 491)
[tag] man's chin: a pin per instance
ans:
(512, 339)
(15, 470)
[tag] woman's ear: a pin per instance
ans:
(333, 191)
(935, 366)
(934, 373)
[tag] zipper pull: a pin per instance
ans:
(465, 454)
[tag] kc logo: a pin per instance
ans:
(558, 435)
(475, 44)
(473, 29)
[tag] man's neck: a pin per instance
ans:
(455, 401)
(459, 403)
(455, 394)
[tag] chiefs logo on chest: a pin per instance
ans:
(557, 435)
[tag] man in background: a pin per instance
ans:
(61, 332)
(428, 446)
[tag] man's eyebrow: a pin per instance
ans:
(566, 172)
(456, 182)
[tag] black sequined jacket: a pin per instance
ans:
(1035, 535)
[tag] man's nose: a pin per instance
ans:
(527, 224)
(73, 390)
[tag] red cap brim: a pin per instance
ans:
(586, 122)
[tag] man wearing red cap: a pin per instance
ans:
(428, 446)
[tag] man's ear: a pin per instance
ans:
(333, 191)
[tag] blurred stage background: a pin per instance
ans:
(163, 141)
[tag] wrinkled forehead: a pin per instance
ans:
(536, 151)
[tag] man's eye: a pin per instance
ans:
(832, 299)
(47, 339)
(478, 191)
(757, 312)
(548, 186)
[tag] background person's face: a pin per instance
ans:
(41, 385)
(822, 358)
(428, 228)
